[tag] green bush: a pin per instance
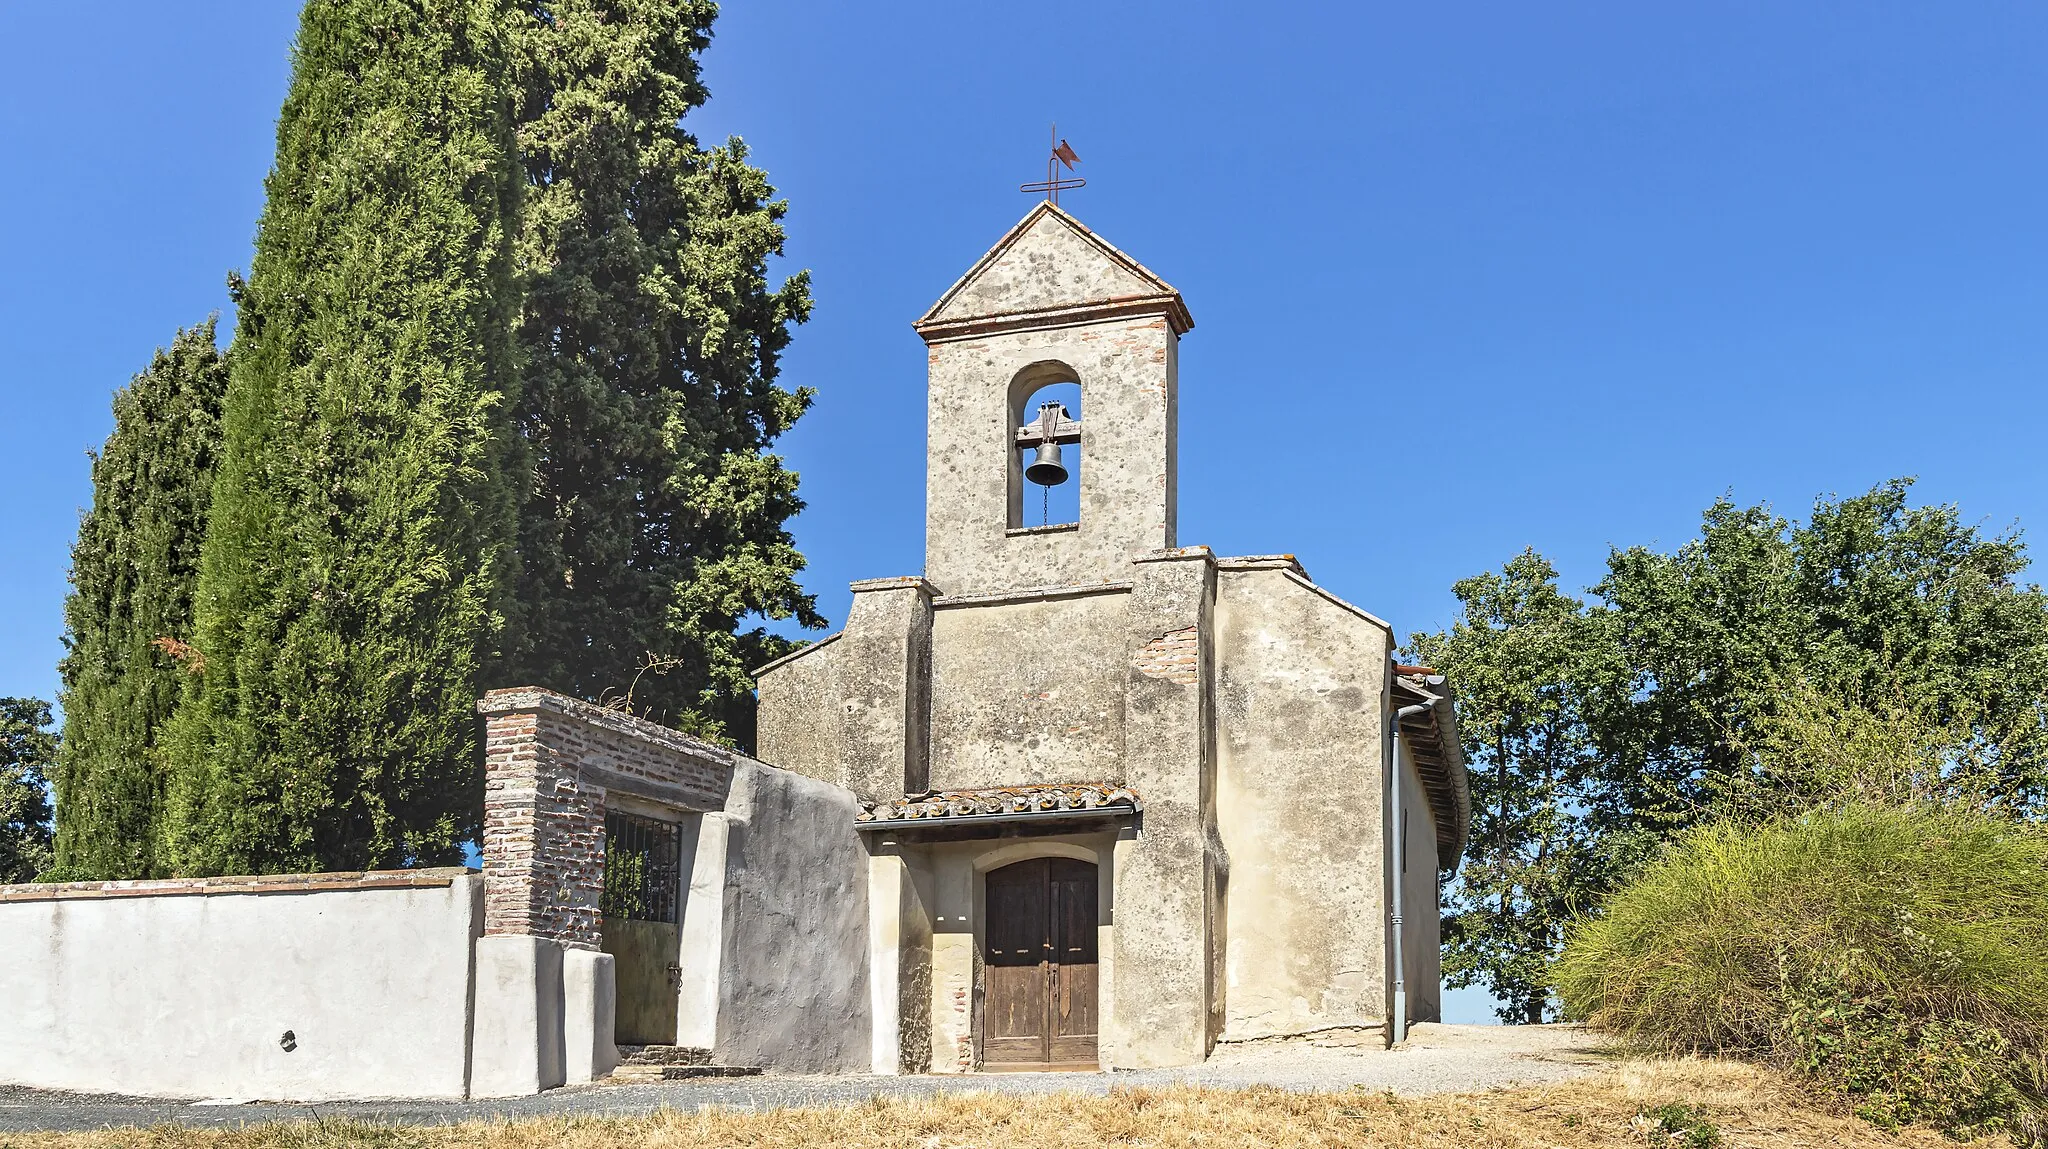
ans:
(1898, 955)
(1682, 1126)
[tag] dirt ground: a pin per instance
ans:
(1604, 1108)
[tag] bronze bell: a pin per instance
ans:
(1045, 467)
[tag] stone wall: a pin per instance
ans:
(798, 720)
(1169, 878)
(1052, 302)
(1422, 927)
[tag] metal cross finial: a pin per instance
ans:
(1062, 153)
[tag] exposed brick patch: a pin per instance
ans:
(1174, 656)
(252, 884)
(549, 762)
(963, 1024)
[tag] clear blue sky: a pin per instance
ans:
(1466, 278)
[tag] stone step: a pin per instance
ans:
(664, 1055)
(644, 1073)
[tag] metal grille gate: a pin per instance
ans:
(642, 864)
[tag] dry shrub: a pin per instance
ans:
(1748, 1105)
(1891, 953)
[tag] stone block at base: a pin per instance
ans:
(589, 1007)
(516, 1042)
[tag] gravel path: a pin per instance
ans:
(1437, 1059)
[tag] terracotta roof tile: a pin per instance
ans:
(1001, 800)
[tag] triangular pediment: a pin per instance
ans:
(1050, 263)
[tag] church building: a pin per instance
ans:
(1122, 798)
(1077, 796)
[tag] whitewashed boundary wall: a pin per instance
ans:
(450, 982)
(294, 987)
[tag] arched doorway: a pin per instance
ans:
(1039, 966)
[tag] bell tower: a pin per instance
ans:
(1052, 304)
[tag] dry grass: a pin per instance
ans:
(1753, 1107)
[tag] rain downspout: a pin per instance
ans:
(1397, 1022)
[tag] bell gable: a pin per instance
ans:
(1050, 267)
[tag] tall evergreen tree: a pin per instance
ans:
(130, 610)
(655, 523)
(352, 580)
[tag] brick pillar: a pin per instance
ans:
(543, 843)
(1166, 876)
(545, 997)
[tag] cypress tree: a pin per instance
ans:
(654, 526)
(130, 609)
(358, 549)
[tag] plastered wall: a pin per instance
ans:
(793, 993)
(941, 889)
(188, 992)
(1422, 930)
(1028, 692)
(1300, 693)
(798, 723)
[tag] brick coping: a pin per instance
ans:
(437, 877)
(534, 699)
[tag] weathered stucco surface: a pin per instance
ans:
(1028, 692)
(900, 902)
(1051, 264)
(794, 992)
(938, 910)
(1127, 372)
(190, 995)
(1052, 303)
(800, 713)
(772, 941)
(1300, 705)
(1170, 876)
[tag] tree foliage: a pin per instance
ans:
(654, 525)
(502, 304)
(358, 552)
(130, 608)
(1520, 657)
(1598, 730)
(27, 750)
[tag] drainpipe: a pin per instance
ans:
(1397, 1024)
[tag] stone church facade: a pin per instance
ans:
(1122, 798)
(1076, 796)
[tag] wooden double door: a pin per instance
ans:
(1039, 979)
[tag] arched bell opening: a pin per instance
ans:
(1045, 447)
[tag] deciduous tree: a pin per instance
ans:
(27, 748)
(1598, 731)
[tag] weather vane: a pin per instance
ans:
(1062, 153)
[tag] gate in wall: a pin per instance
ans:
(642, 923)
